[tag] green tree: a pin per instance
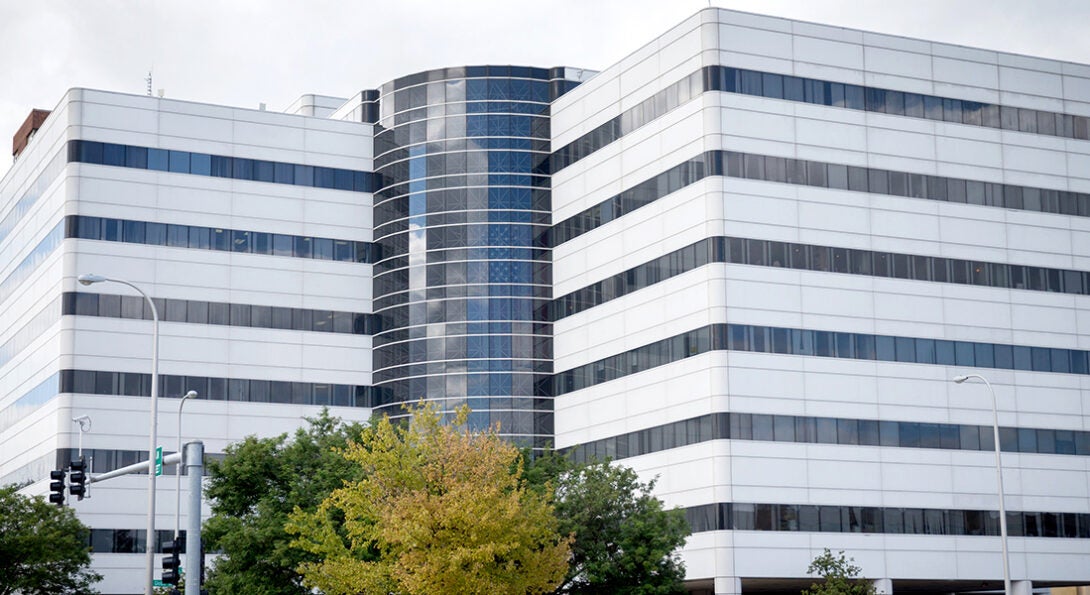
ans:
(43, 548)
(624, 541)
(253, 490)
(438, 510)
(840, 574)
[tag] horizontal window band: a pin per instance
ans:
(819, 174)
(538, 182)
(483, 327)
(28, 402)
(131, 541)
(392, 263)
(31, 262)
(32, 193)
(393, 364)
(388, 152)
(734, 516)
(135, 384)
(482, 309)
(469, 163)
(830, 430)
(219, 166)
(811, 257)
(853, 346)
(463, 217)
(818, 92)
(525, 389)
(726, 516)
(219, 313)
(219, 239)
(455, 292)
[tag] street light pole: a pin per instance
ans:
(88, 279)
(178, 470)
(998, 476)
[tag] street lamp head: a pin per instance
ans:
(89, 278)
(960, 379)
(190, 395)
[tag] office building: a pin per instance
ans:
(747, 259)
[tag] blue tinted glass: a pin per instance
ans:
(1041, 360)
(284, 173)
(324, 177)
(985, 355)
(158, 160)
(1060, 361)
(772, 86)
(179, 162)
(303, 247)
(476, 89)
(111, 230)
(885, 348)
(499, 89)
(90, 151)
(539, 91)
(200, 164)
(304, 175)
(361, 181)
(263, 171)
(342, 179)
(136, 157)
(113, 154)
(243, 169)
(963, 354)
(906, 349)
(156, 234)
(925, 351)
(133, 232)
(323, 249)
(1023, 358)
(944, 353)
(853, 97)
(222, 167)
(1079, 362)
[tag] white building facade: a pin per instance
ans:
(747, 259)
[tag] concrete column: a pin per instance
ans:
(883, 586)
(1021, 587)
(728, 585)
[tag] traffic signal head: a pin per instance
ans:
(77, 480)
(172, 564)
(56, 487)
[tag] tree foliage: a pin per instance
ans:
(840, 574)
(43, 548)
(254, 489)
(438, 510)
(624, 540)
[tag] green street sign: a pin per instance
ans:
(158, 461)
(159, 583)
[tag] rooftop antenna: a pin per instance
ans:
(148, 81)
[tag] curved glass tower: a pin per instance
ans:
(462, 214)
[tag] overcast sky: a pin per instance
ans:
(246, 52)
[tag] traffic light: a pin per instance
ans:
(56, 487)
(172, 563)
(77, 479)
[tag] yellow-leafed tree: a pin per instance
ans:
(440, 510)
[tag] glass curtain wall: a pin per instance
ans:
(462, 214)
